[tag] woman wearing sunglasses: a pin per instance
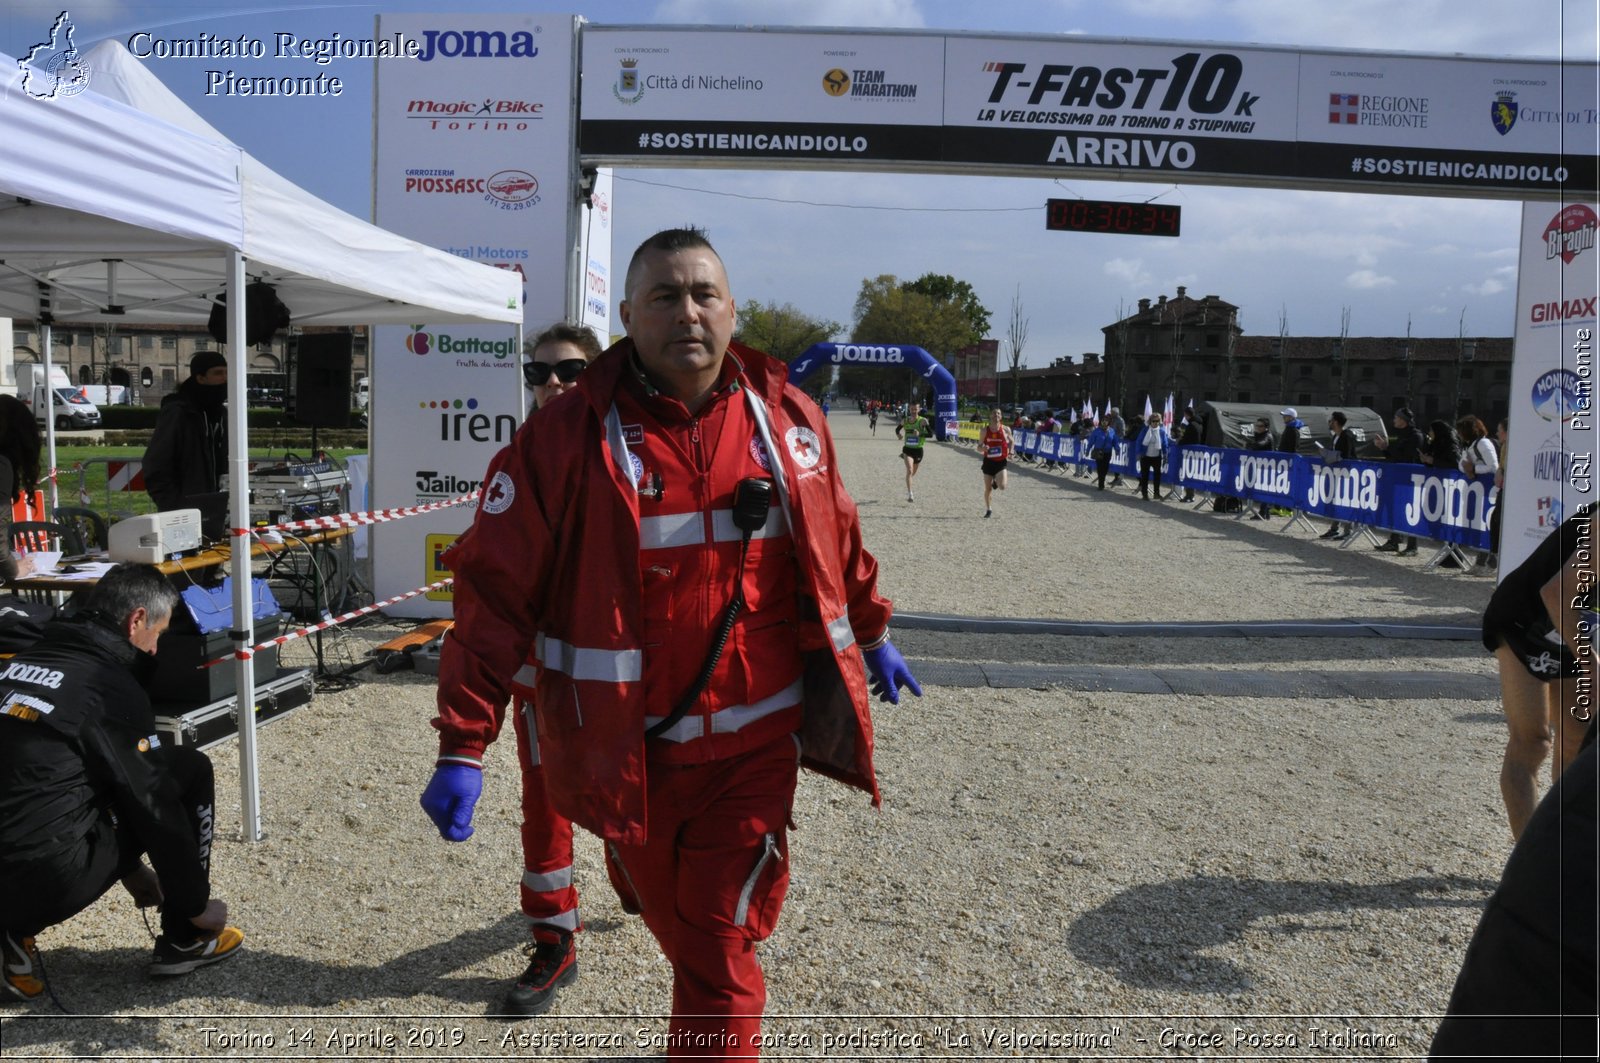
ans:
(558, 355)
(549, 895)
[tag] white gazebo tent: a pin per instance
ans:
(133, 209)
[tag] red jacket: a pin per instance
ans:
(548, 598)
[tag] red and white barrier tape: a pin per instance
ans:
(351, 520)
(240, 655)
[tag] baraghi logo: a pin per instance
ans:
(628, 88)
(53, 68)
(1570, 232)
(1503, 111)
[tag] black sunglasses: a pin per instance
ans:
(537, 374)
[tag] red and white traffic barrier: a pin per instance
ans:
(351, 520)
(298, 633)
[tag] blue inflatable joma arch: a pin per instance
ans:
(916, 359)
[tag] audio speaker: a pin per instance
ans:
(319, 379)
(264, 315)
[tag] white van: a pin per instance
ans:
(66, 404)
(363, 393)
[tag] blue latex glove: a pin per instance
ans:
(889, 673)
(450, 797)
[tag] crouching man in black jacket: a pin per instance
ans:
(87, 786)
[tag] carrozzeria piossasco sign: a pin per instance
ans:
(1474, 126)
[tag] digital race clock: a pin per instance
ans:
(1104, 216)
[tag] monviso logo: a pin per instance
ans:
(53, 68)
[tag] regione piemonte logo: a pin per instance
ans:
(53, 68)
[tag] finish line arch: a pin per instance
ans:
(881, 355)
(524, 181)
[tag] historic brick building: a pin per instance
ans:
(1194, 349)
(121, 354)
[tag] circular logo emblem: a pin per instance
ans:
(836, 82)
(637, 466)
(513, 186)
(498, 496)
(1557, 395)
(804, 446)
(1570, 232)
(758, 451)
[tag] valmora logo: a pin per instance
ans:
(477, 44)
(1570, 233)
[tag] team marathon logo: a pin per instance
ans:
(866, 85)
(1570, 233)
(1503, 111)
(54, 69)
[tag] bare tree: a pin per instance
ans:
(1409, 361)
(1016, 337)
(1464, 354)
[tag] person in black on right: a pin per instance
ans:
(1189, 435)
(1404, 447)
(1344, 448)
(189, 448)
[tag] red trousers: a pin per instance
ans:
(549, 895)
(709, 883)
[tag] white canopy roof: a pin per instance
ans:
(122, 197)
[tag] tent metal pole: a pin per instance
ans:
(243, 632)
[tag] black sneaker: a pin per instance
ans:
(553, 965)
(21, 962)
(172, 959)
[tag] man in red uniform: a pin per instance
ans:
(668, 566)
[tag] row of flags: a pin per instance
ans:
(1166, 414)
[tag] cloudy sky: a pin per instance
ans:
(809, 238)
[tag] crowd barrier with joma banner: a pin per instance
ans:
(1445, 505)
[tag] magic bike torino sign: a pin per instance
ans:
(1086, 107)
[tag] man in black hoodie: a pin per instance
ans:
(189, 447)
(1405, 447)
(87, 786)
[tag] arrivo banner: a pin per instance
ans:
(1272, 116)
(1550, 465)
(474, 150)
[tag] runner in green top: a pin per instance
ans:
(915, 429)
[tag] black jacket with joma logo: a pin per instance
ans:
(78, 741)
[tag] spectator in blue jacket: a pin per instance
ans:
(1152, 445)
(1101, 443)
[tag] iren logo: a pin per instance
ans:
(458, 422)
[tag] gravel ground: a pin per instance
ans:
(1076, 874)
